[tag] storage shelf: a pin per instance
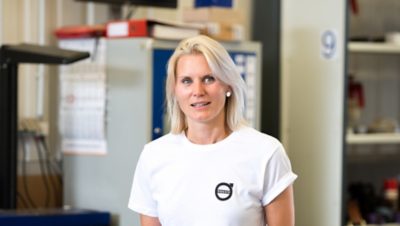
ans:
(388, 224)
(372, 47)
(376, 138)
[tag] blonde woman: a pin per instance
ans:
(211, 169)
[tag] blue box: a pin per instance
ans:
(54, 217)
(209, 3)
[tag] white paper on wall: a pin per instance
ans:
(82, 108)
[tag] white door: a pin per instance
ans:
(313, 81)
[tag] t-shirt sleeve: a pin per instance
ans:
(278, 175)
(141, 199)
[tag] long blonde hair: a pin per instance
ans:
(222, 67)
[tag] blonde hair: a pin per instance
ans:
(222, 67)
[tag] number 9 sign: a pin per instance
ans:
(328, 44)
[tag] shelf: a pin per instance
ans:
(387, 224)
(372, 47)
(377, 138)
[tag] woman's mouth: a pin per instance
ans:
(200, 104)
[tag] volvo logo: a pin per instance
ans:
(224, 191)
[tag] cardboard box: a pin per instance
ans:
(225, 31)
(212, 14)
(37, 191)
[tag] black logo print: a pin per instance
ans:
(224, 191)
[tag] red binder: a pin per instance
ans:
(127, 28)
(80, 31)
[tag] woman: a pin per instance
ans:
(211, 169)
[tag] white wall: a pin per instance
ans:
(313, 107)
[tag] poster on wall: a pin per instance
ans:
(82, 105)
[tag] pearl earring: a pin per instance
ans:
(228, 94)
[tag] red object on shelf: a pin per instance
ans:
(127, 28)
(354, 6)
(390, 184)
(81, 31)
(356, 92)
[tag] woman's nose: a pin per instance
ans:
(198, 88)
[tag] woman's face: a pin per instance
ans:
(200, 95)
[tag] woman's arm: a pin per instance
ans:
(280, 212)
(149, 221)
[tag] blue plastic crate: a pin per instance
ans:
(54, 217)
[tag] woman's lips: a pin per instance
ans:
(200, 104)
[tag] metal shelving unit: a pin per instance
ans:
(373, 157)
(374, 47)
(373, 138)
(390, 224)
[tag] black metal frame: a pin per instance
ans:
(10, 57)
(8, 133)
(266, 29)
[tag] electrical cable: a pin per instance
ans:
(24, 175)
(54, 166)
(43, 173)
(23, 200)
(49, 167)
(41, 145)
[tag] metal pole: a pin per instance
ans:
(8, 135)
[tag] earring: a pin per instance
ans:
(228, 94)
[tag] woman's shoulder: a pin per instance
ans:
(252, 136)
(164, 141)
(161, 147)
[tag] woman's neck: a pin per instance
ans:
(204, 134)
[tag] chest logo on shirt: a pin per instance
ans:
(224, 191)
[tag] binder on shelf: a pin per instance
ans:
(151, 28)
(127, 28)
(172, 33)
(80, 31)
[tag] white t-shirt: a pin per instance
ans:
(221, 184)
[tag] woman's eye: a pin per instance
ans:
(209, 79)
(186, 80)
